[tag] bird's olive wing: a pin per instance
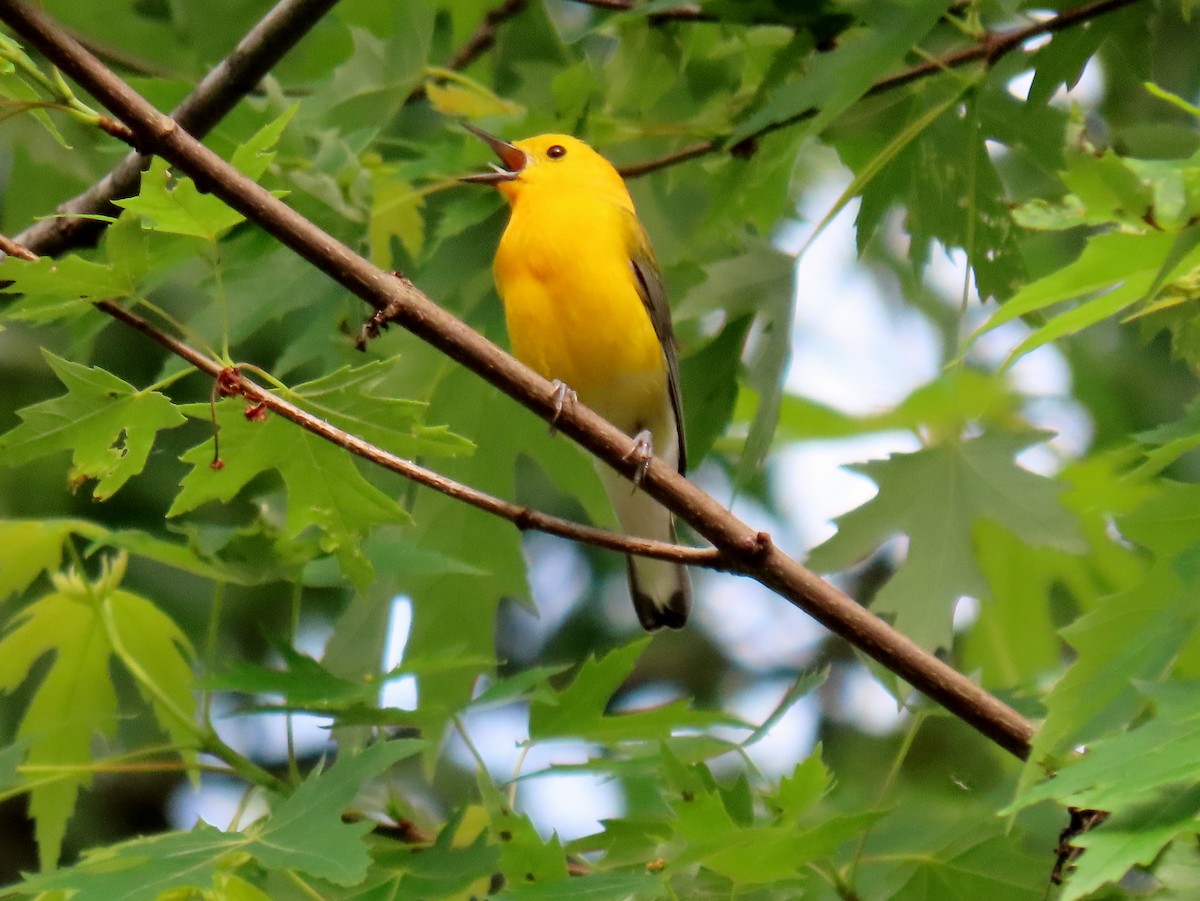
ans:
(654, 296)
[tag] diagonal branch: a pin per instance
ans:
(990, 48)
(230, 381)
(746, 549)
(749, 550)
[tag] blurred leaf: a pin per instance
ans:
(936, 165)
(935, 496)
(303, 684)
(709, 383)
(83, 625)
(362, 400)
(592, 887)
(108, 425)
(758, 281)
(958, 399)
(533, 683)
(395, 213)
(457, 95)
(834, 80)
(56, 288)
(1150, 804)
(1116, 267)
(1013, 642)
(306, 831)
(325, 489)
(580, 708)
(1061, 61)
(971, 866)
(1132, 635)
(30, 547)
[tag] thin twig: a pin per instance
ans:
(746, 549)
(684, 13)
(989, 48)
(230, 381)
(484, 36)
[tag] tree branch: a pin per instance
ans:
(484, 37)
(685, 13)
(231, 380)
(219, 92)
(746, 549)
(990, 48)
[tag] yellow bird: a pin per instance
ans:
(585, 307)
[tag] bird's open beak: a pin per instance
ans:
(514, 159)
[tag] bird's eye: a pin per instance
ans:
(556, 151)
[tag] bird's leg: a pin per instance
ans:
(642, 452)
(563, 397)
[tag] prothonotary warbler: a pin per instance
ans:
(585, 307)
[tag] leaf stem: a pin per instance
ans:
(212, 639)
(884, 790)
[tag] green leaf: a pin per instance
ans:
(935, 496)
(758, 281)
(705, 832)
(257, 153)
(958, 399)
(1060, 63)
(142, 869)
(304, 684)
(187, 558)
(709, 382)
(591, 887)
(1151, 803)
(363, 401)
(1132, 635)
(57, 288)
(533, 682)
(306, 831)
(108, 425)
(973, 867)
(1013, 642)
(832, 81)
(505, 433)
(325, 489)
(448, 868)
(578, 710)
(83, 625)
(174, 205)
(29, 547)
(461, 97)
(807, 784)
(395, 213)
(1108, 260)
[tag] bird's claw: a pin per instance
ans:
(642, 453)
(563, 396)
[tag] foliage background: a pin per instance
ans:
(215, 594)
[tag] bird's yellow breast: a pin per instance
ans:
(572, 304)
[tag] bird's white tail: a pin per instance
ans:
(661, 590)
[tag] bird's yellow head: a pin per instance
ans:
(554, 163)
